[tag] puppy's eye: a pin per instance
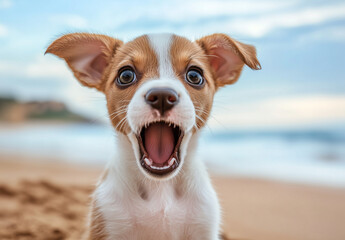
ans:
(194, 77)
(126, 77)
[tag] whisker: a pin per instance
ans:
(198, 109)
(123, 119)
(116, 116)
(204, 122)
(120, 110)
(123, 124)
(200, 118)
(201, 110)
(117, 113)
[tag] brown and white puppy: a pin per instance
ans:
(159, 90)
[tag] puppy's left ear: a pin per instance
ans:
(227, 57)
(87, 55)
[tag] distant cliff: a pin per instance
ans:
(12, 110)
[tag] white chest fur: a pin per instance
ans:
(166, 210)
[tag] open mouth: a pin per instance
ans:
(159, 145)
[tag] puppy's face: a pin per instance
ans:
(159, 88)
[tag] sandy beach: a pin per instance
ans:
(50, 200)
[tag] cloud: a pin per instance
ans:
(5, 3)
(201, 16)
(3, 31)
(282, 112)
(41, 67)
(181, 11)
(69, 20)
(44, 67)
(333, 33)
(262, 25)
(7, 68)
(193, 10)
(246, 18)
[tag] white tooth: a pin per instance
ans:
(148, 162)
(159, 168)
(171, 162)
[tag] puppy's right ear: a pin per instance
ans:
(86, 54)
(227, 57)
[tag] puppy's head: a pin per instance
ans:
(159, 88)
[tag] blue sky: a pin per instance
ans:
(301, 47)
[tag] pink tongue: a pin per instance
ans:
(159, 142)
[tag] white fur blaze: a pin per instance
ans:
(161, 44)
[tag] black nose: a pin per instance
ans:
(162, 99)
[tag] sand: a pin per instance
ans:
(50, 201)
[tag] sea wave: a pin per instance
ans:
(314, 156)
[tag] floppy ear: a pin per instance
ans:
(227, 57)
(86, 54)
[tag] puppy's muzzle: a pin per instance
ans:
(162, 99)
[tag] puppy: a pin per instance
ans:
(159, 90)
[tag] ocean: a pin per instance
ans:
(309, 156)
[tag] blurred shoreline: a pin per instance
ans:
(15, 111)
(38, 194)
(309, 156)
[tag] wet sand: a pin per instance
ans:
(50, 201)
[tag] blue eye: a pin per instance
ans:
(126, 77)
(194, 77)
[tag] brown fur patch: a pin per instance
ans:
(141, 57)
(96, 229)
(185, 54)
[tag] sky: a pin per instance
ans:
(300, 45)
